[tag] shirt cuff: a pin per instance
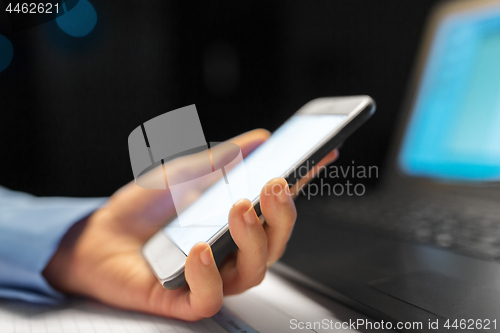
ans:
(31, 229)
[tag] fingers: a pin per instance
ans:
(249, 266)
(189, 176)
(199, 166)
(258, 246)
(250, 140)
(329, 158)
(205, 284)
(196, 165)
(279, 212)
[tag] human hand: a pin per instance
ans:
(100, 257)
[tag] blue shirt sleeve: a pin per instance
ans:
(30, 231)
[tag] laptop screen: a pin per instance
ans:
(454, 128)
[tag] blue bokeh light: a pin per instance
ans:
(6, 52)
(79, 21)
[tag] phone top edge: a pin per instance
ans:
(336, 105)
(361, 107)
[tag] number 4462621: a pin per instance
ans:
(471, 324)
(33, 8)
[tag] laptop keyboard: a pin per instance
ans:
(461, 225)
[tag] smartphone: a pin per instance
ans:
(310, 134)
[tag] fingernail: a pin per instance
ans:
(249, 216)
(206, 256)
(284, 195)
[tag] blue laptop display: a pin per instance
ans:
(454, 130)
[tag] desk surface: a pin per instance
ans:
(277, 305)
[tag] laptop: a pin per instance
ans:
(424, 247)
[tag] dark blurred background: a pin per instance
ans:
(68, 104)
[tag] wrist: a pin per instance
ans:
(58, 271)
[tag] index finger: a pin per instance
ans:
(250, 140)
(329, 158)
(135, 201)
